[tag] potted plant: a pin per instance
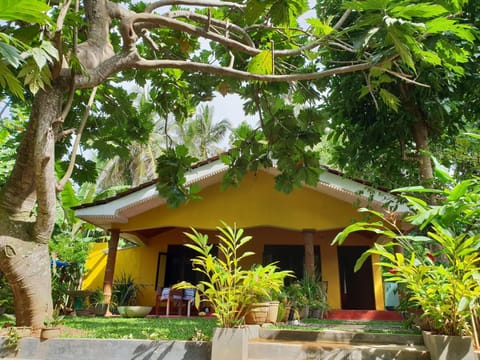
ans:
(98, 302)
(125, 291)
(297, 300)
(52, 327)
(438, 266)
(230, 289)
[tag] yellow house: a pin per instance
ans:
(294, 229)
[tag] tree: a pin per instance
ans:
(201, 133)
(387, 133)
(100, 45)
(138, 165)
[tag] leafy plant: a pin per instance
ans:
(200, 335)
(125, 290)
(97, 297)
(55, 320)
(441, 275)
(13, 339)
(6, 295)
(229, 288)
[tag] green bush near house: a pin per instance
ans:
(439, 265)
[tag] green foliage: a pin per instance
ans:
(70, 243)
(10, 129)
(172, 167)
(55, 320)
(6, 295)
(30, 56)
(13, 339)
(444, 282)
(262, 63)
(125, 290)
(229, 288)
(30, 11)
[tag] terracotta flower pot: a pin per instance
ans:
(50, 333)
(257, 314)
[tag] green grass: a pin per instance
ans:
(142, 328)
(195, 328)
(371, 326)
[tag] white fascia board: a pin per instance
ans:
(111, 208)
(206, 171)
(368, 193)
(348, 190)
(119, 210)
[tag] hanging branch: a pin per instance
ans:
(76, 144)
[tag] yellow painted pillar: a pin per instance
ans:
(309, 252)
(330, 273)
(110, 267)
(378, 284)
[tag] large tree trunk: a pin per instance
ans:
(420, 135)
(27, 213)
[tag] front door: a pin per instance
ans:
(356, 287)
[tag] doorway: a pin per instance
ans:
(357, 291)
(178, 265)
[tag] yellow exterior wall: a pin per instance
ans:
(249, 206)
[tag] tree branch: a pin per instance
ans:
(58, 38)
(61, 184)
(159, 20)
(342, 20)
(215, 22)
(244, 75)
(202, 3)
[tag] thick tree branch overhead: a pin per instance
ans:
(149, 28)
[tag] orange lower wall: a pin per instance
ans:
(141, 262)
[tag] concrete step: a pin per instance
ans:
(298, 350)
(340, 337)
(333, 345)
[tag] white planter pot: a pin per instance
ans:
(230, 343)
(445, 347)
(134, 311)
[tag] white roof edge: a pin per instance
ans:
(369, 193)
(113, 209)
(352, 189)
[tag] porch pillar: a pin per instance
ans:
(308, 236)
(110, 267)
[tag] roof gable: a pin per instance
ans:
(119, 209)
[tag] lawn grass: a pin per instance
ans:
(142, 328)
(369, 326)
(194, 328)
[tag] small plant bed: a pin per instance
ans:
(384, 327)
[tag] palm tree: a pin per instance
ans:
(200, 134)
(140, 164)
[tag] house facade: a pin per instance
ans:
(294, 229)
